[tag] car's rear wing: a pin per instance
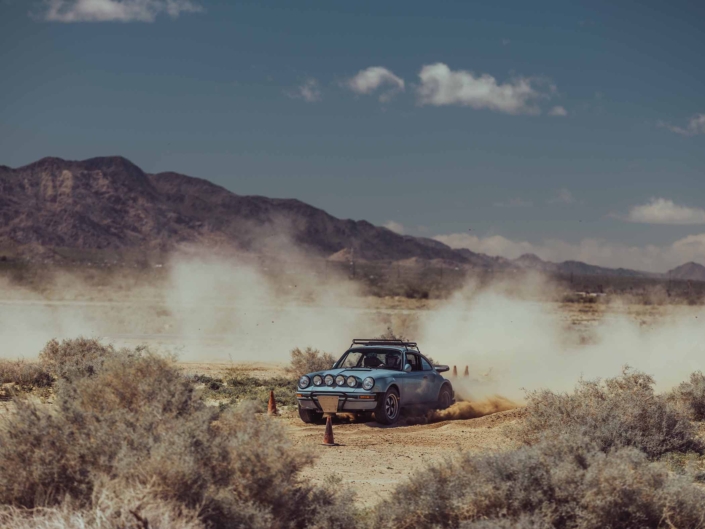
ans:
(379, 341)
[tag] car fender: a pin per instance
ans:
(382, 385)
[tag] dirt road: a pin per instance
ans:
(373, 459)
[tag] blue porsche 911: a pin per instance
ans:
(375, 376)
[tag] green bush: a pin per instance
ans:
(618, 412)
(565, 482)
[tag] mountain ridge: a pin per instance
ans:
(109, 203)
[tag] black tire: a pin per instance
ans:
(388, 408)
(445, 398)
(311, 416)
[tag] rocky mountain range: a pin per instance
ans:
(109, 203)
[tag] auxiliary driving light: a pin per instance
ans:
(352, 382)
(317, 380)
(340, 380)
(329, 380)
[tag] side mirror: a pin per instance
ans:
(407, 368)
(442, 369)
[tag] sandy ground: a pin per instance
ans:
(372, 459)
(222, 369)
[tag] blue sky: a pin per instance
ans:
(570, 129)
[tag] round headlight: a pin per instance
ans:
(304, 381)
(368, 383)
(340, 380)
(329, 380)
(317, 380)
(351, 382)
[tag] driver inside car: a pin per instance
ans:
(371, 361)
(394, 361)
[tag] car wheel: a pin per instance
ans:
(444, 398)
(388, 408)
(311, 416)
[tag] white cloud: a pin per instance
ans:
(442, 86)
(599, 252)
(115, 10)
(396, 227)
(514, 203)
(663, 211)
(696, 125)
(309, 91)
(563, 196)
(558, 111)
(370, 79)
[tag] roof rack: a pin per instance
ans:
(379, 341)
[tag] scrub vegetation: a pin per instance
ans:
(236, 388)
(129, 442)
(615, 413)
(564, 482)
(309, 361)
(690, 396)
(589, 460)
(132, 444)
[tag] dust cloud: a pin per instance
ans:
(512, 343)
(203, 309)
(463, 409)
(215, 309)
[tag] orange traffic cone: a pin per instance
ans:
(272, 406)
(467, 372)
(455, 371)
(328, 436)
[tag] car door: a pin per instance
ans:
(432, 381)
(415, 381)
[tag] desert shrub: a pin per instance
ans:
(691, 464)
(49, 453)
(618, 412)
(27, 375)
(239, 387)
(138, 423)
(690, 396)
(566, 482)
(309, 361)
(522, 522)
(131, 508)
(389, 334)
(72, 359)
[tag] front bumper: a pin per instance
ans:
(346, 401)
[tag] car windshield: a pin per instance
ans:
(373, 358)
